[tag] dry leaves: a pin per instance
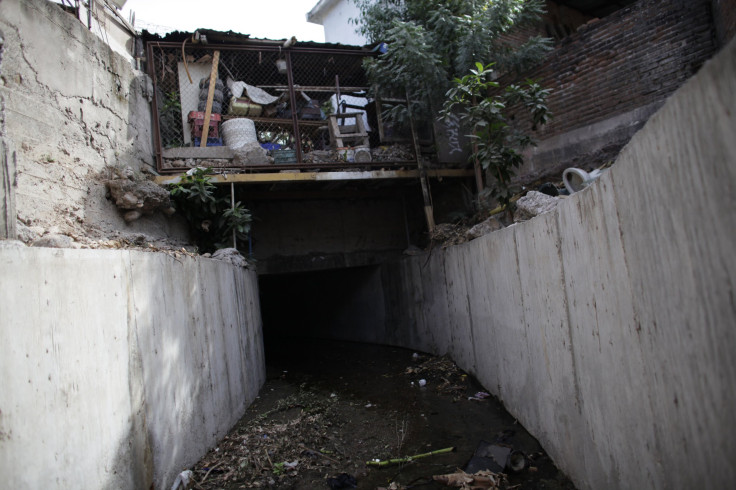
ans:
(477, 481)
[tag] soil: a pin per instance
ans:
(328, 408)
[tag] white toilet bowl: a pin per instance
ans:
(576, 180)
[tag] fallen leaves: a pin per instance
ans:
(481, 480)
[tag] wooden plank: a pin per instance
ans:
(210, 97)
(8, 185)
(323, 176)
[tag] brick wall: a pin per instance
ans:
(724, 16)
(637, 56)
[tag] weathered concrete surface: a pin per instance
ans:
(72, 107)
(319, 234)
(607, 325)
(120, 368)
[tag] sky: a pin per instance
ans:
(271, 19)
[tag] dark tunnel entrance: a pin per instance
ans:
(340, 304)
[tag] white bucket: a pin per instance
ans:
(238, 132)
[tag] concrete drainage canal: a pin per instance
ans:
(340, 411)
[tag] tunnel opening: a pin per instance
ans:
(335, 304)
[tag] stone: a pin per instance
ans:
(28, 234)
(251, 154)
(9, 244)
(230, 255)
(54, 240)
(132, 216)
(485, 227)
(139, 198)
(533, 204)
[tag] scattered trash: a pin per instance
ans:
(576, 179)
(516, 461)
(422, 382)
(393, 486)
(342, 481)
(488, 456)
(183, 479)
(408, 459)
(481, 395)
(497, 458)
(300, 436)
(549, 188)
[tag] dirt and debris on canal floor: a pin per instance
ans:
(328, 409)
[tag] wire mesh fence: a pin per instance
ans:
(263, 107)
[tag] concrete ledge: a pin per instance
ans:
(223, 152)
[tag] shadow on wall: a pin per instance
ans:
(198, 331)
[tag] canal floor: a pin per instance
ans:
(330, 410)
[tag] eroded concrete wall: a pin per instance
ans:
(72, 107)
(607, 325)
(120, 368)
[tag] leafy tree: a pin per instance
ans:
(498, 140)
(431, 42)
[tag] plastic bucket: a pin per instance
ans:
(238, 132)
(284, 156)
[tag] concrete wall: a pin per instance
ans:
(120, 368)
(317, 234)
(607, 325)
(72, 107)
(335, 16)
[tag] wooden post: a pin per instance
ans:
(428, 209)
(232, 206)
(210, 98)
(8, 184)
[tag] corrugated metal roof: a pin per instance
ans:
(596, 8)
(231, 37)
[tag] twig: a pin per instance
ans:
(268, 457)
(409, 459)
(208, 472)
(319, 452)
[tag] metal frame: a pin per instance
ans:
(271, 47)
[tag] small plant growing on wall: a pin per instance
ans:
(212, 218)
(498, 139)
(170, 120)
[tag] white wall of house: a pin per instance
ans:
(335, 16)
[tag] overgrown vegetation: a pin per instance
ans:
(431, 42)
(170, 118)
(498, 141)
(444, 55)
(211, 216)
